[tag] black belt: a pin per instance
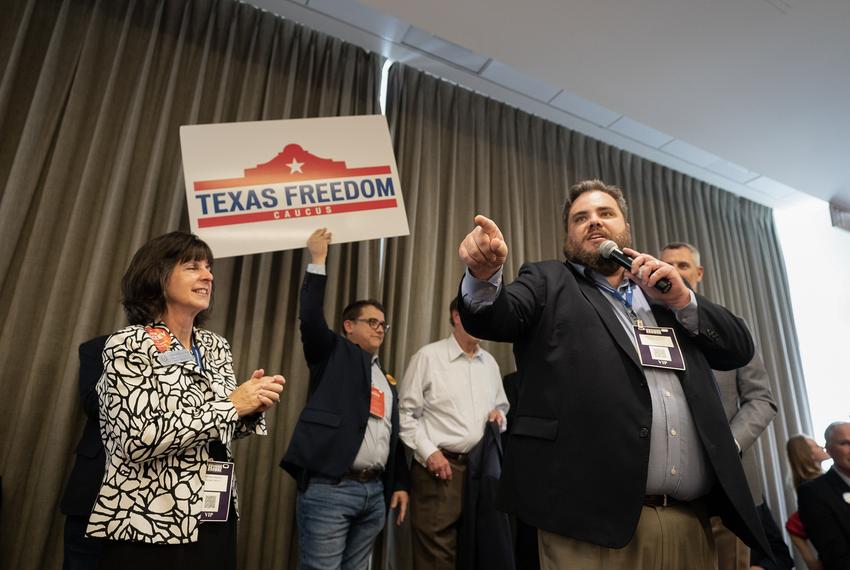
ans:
(364, 475)
(457, 457)
(662, 501)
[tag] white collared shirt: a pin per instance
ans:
(446, 397)
(375, 447)
(678, 465)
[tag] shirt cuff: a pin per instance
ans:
(423, 451)
(480, 293)
(316, 269)
(688, 316)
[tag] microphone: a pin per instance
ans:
(609, 250)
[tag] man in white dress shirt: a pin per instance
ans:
(451, 389)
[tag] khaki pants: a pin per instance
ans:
(435, 509)
(667, 538)
(732, 553)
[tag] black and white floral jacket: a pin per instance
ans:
(156, 419)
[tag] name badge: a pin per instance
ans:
(658, 347)
(216, 493)
(174, 357)
(376, 405)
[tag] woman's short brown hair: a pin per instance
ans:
(143, 284)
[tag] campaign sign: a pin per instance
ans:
(267, 185)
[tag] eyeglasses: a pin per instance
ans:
(375, 324)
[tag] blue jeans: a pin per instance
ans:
(338, 523)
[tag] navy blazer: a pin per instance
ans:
(87, 474)
(824, 505)
(331, 427)
(576, 464)
(484, 538)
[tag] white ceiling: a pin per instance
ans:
(750, 95)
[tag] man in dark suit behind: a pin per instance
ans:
(614, 455)
(345, 452)
(87, 474)
(824, 502)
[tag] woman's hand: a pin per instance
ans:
(257, 394)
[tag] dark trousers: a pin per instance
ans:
(81, 553)
(435, 510)
(525, 549)
(215, 548)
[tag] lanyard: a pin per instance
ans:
(625, 300)
(196, 352)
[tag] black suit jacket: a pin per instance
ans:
(87, 474)
(576, 464)
(826, 516)
(484, 537)
(330, 429)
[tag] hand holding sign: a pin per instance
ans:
(317, 245)
(260, 186)
(483, 250)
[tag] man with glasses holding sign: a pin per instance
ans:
(344, 452)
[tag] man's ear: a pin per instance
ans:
(456, 318)
(347, 327)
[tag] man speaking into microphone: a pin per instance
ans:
(620, 450)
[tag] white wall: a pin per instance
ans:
(817, 257)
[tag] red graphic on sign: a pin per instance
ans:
(293, 164)
(290, 213)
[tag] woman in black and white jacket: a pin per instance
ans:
(169, 408)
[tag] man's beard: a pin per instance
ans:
(594, 260)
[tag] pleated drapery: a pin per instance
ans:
(92, 94)
(461, 153)
(91, 97)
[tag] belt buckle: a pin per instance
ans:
(664, 500)
(366, 474)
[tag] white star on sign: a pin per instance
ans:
(295, 166)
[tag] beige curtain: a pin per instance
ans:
(91, 97)
(460, 153)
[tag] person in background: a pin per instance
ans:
(749, 406)
(169, 408)
(81, 553)
(451, 389)
(824, 502)
(344, 453)
(805, 457)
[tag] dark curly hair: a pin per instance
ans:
(143, 284)
(353, 310)
(594, 185)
